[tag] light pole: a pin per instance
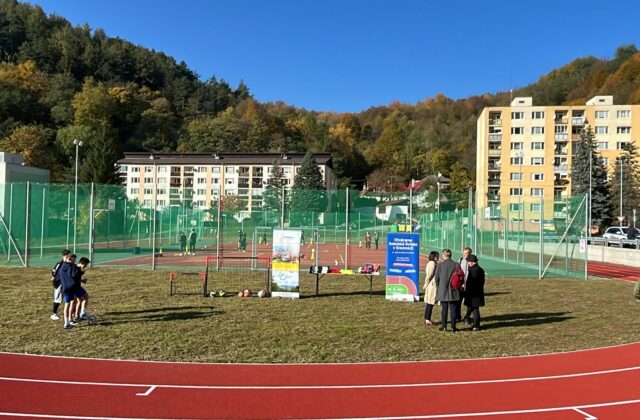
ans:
(621, 163)
(76, 143)
(520, 156)
(590, 188)
(438, 196)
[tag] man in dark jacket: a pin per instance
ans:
(70, 275)
(474, 292)
(447, 295)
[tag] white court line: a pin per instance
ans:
(586, 415)
(323, 387)
(146, 394)
(427, 416)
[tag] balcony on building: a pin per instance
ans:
(560, 180)
(560, 194)
(495, 118)
(561, 117)
(495, 149)
(495, 137)
(577, 118)
(493, 196)
(243, 171)
(243, 182)
(494, 165)
(561, 137)
(561, 150)
(494, 181)
(561, 168)
(258, 172)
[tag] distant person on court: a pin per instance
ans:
(243, 241)
(70, 276)
(447, 295)
(367, 240)
(193, 236)
(302, 237)
(57, 287)
(465, 267)
(183, 243)
(430, 287)
(239, 240)
(474, 292)
(376, 237)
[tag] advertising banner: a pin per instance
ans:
(285, 264)
(403, 267)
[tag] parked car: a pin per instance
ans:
(619, 234)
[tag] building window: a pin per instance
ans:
(202, 180)
(517, 115)
(148, 180)
(162, 191)
(623, 130)
(537, 177)
(515, 176)
(202, 169)
(134, 191)
(623, 113)
(122, 169)
(162, 180)
(230, 181)
(230, 191)
(230, 170)
(162, 169)
(135, 169)
(146, 203)
(517, 160)
(215, 170)
(515, 206)
(537, 115)
(216, 180)
(537, 145)
(621, 145)
(603, 145)
(534, 207)
(602, 114)
(148, 191)
(162, 203)
(605, 161)
(148, 169)
(537, 191)
(188, 169)
(215, 193)
(537, 130)
(515, 191)
(135, 180)
(286, 169)
(516, 145)
(201, 192)
(537, 161)
(561, 129)
(517, 130)
(602, 129)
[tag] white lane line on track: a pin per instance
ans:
(147, 392)
(586, 415)
(324, 387)
(426, 416)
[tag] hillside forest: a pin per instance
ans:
(60, 82)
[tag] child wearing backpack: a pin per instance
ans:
(57, 287)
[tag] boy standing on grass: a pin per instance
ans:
(57, 288)
(69, 276)
(192, 242)
(80, 309)
(183, 244)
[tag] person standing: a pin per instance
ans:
(367, 240)
(430, 287)
(183, 244)
(465, 267)
(70, 276)
(474, 293)
(376, 238)
(193, 236)
(447, 295)
(57, 287)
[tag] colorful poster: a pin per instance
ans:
(403, 267)
(285, 264)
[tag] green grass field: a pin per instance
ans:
(138, 320)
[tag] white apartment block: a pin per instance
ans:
(200, 178)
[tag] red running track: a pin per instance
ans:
(614, 271)
(600, 383)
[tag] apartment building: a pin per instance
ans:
(200, 178)
(524, 153)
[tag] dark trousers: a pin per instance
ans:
(459, 310)
(475, 311)
(446, 308)
(428, 311)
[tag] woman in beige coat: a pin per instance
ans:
(430, 286)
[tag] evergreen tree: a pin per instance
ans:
(601, 205)
(630, 182)
(272, 195)
(308, 194)
(98, 163)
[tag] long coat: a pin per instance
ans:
(445, 292)
(430, 284)
(474, 292)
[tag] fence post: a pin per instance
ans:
(541, 256)
(91, 225)
(44, 190)
(10, 220)
(282, 213)
(26, 223)
(68, 215)
(346, 230)
(218, 232)
(586, 235)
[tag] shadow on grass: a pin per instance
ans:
(496, 293)
(153, 310)
(354, 293)
(160, 317)
(523, 319)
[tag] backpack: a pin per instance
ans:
(457, 278)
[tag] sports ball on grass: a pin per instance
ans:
(247, 292)
(213, 294)
(222, 293)
(240, 294)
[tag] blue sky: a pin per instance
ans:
(346, 56)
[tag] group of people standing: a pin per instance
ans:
(367, 239)
(438, 288)
(193, 237)
(67, 278)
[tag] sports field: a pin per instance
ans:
(139, 320)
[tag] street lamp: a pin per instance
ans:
(438, 196)
(76, 143)
(621, 163)
(520, 156)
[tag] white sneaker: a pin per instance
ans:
(54, 317)
(84, 316)
(68, 325)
